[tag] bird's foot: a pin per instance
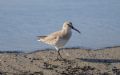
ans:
(60, 59)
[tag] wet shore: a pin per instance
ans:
(77, 62)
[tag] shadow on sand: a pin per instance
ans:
(100, 60)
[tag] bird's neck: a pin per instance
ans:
(66, 30)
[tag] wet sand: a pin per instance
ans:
(77, 62)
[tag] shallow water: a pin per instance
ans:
(22, 20)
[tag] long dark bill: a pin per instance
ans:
(76, 29)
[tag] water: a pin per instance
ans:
(22, 20)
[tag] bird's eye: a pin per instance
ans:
(70, 26)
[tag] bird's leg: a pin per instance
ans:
(59, 57)
(59, 54)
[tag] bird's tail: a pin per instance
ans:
(40, 38)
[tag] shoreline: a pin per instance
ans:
(77, 61)
(50, 49)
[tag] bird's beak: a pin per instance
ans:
(76, 29)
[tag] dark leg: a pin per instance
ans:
(59, 57)
(59, 54)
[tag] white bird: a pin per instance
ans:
(60, 38)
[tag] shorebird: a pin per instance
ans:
(60, 38)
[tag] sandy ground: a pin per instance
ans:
(77, 62)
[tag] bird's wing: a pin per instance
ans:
(52, 38)
(40, 37)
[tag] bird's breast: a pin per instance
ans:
(63, 39)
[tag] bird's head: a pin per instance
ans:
(69, 26)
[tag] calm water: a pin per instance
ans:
(22, 20)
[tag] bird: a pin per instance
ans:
(59, 38)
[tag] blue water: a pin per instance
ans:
(22, 20)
